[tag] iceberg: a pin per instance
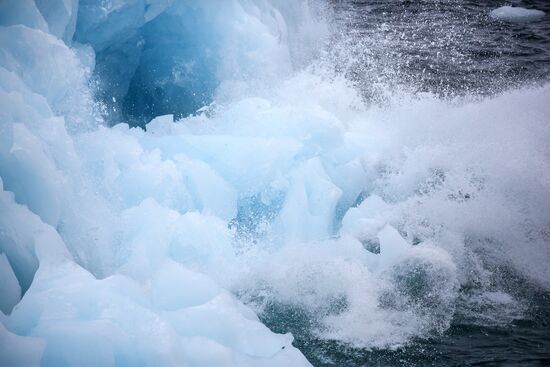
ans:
(172, 170)
(516, 14)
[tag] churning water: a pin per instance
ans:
(451, 49)
(445, 47)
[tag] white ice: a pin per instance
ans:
(516, 14)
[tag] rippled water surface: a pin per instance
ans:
(444, 46)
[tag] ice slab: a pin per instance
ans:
(9, 286)
(515, 14)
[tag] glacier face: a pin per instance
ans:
(168, 57)
(100, 285)
(125, 247)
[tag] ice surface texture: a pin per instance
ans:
(94, 292)
(160, 57)
(126, 247)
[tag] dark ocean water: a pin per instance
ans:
(524, 341)
(451, 48)
(447, 47)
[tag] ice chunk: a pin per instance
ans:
(58, 77)
(117, 324)
(113, 23)
(198, 241)
(9, 286)
(20, 351)
(160, 125)
(61, 17)
(392, 245)
(211, 194)
(248, 163)
(224, 320)
(156, 7)
(31, 173)
(152, 177)
(516, 14)
(175, 287)
(365, 221)
(89, 328)
(24, 12)
(25, 239)
(310, 203)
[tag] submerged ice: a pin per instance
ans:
(121, 246)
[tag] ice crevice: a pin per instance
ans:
(259, 173)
